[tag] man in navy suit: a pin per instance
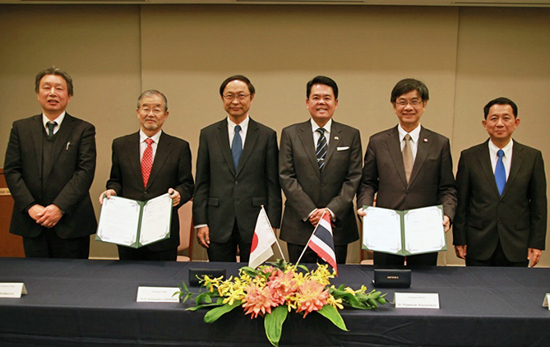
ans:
(236, 175)
(502, 207)
(49, 168)
(425, 179)
(320, 170)
(150, 163)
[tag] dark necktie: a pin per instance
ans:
(51, 126)
(500, 173)
(237, 146)
(147, 162)
(408, 159)
(321, 150)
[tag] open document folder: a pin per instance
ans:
(134, 223)
(406, 232)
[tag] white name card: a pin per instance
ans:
(546, 301)
(157, 294)
(12, 290)
(417, 300)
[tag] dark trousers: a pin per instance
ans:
(392, 260)
(497, 259)
(227, 251)
(294, 252)
(128, 253)
(49, 245)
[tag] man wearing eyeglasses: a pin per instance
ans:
(236, 175)
(409, 167)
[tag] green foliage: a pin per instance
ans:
(215, 313)
(273, 324)
(334, 316)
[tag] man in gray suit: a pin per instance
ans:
(502, 207)
(236, 175)
(320, 170)
(409, 167)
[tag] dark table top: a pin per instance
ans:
(93, 303)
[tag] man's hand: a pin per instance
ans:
(361, 213)
(49, 216)
(446, 223)
(317, 215)
(175, 196)
(460, 251)
(533, 255)
(106, 194)
(35, 210)
(203, 236)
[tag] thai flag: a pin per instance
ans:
(322, 243)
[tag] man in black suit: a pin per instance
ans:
(236, 175)
(320, 170)
(49, 168)
(150, 163)
(502, 207)
(409, 167)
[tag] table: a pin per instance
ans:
(93, 303)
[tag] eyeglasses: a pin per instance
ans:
(231, 97)
(413, 102)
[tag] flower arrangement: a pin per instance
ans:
(272, 291)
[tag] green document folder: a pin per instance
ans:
(134, 223)
(407, 232)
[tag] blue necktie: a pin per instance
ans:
(321, 150)
(237, 146)
(51, 126)
(500, 173)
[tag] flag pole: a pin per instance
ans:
(276, 241)
(313, 233)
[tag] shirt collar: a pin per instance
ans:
(327, 126)
(143, 137)
(243, 124)
(58, 120)
(415, 134)
(493, 149)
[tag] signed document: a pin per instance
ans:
(406, 232)
(134, 223)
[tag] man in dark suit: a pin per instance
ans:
(150, 163)
(320, 170)
(236, 175)
(409, 167)
(49, 168)
(502, 207)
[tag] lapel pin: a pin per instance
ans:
(426, 140)
(336, 138)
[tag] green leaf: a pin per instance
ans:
(273, 324)
(198, 307)
(215, 313)
(334, 316)
(185, 288)
(249, 271)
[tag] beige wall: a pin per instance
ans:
(466, 56)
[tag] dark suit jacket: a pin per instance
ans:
(517, 219)
(223, 195)
(65, 181)
(307, 189)
(431, 183)
(171, 169)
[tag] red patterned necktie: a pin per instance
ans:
(147, 162)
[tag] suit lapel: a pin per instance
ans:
(335, 135)
(62, 142)
(37, 133)
(394, 147)
(163, 150)
(249, 143)
(422, 150)
(517, 161)
(306, 139)
(223, 142)
(484, 160)
(133, 151)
